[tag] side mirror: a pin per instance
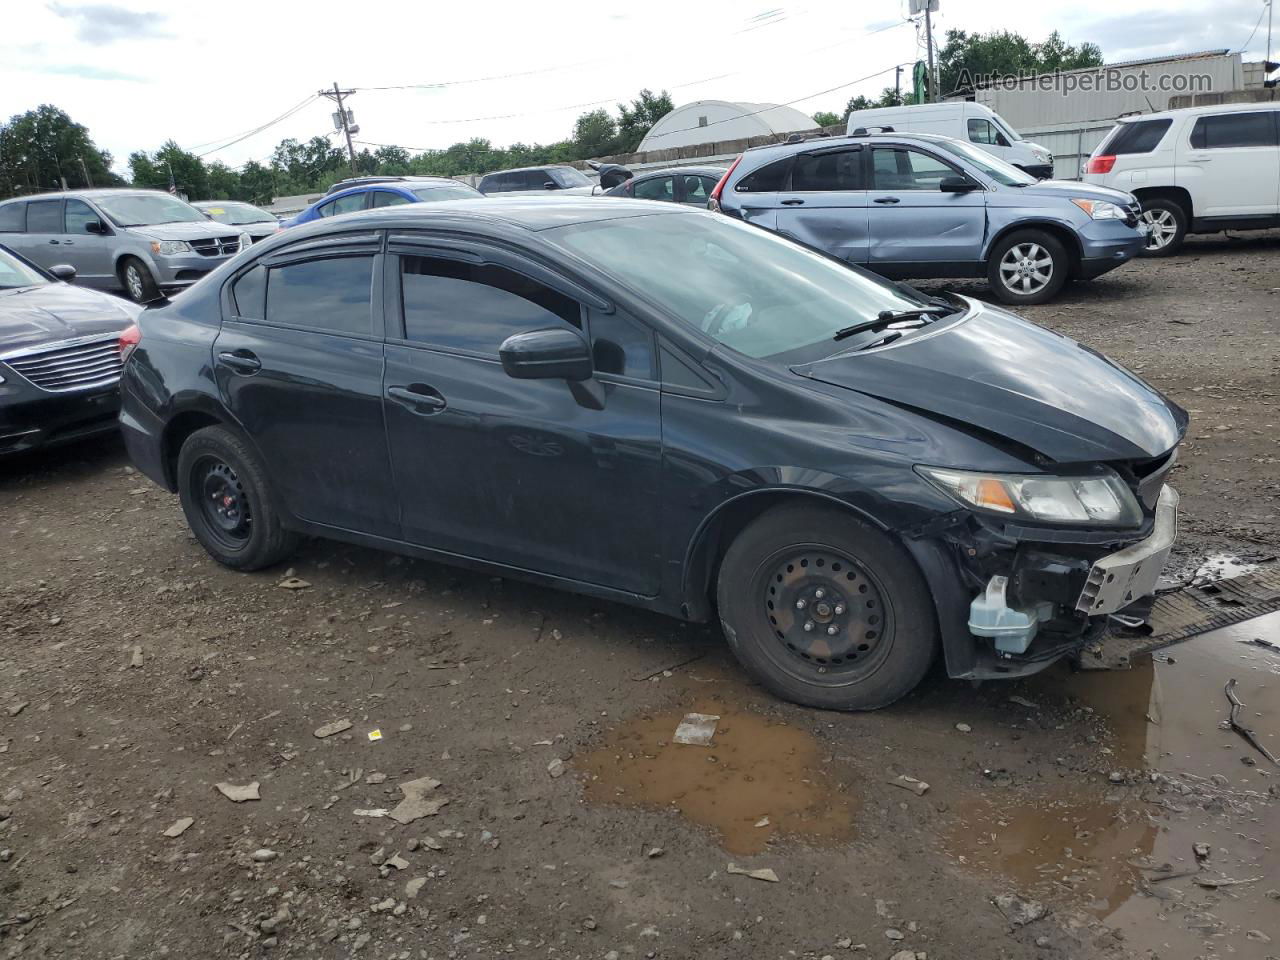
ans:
(63, 271)
(553, 354)
(95, 226)
(957, 185)
(549, 185)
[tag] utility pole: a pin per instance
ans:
(337, 96)
(88, 180)
(928, 39)
(897, 85)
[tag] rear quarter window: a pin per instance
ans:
(1141, 136)
(13, 218)
(770, 178)
(1254, 129)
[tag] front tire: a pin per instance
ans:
(138, 282)
(826, 611)
(1027, 267)
(226, 497)
(1167, 225)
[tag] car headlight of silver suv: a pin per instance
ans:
(1100, 209)
(170, 248)
(246, 241)
(1101, 499)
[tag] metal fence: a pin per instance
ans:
(1070, 144)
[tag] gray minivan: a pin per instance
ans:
(925, 206)
(140, 241)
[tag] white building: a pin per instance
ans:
(708, 121)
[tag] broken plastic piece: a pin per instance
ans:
(696, 729)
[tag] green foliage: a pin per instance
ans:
(38, 147)
(889, 97)
(825, 118)
(42, 147)
(964, 57)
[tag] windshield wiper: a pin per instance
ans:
(886, 317)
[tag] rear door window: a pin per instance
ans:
(13, 218)
(349, 204)
(44, 216)
(250, 294)
(770, 178)
(1141, 136)
(1254, 129)
(385, 198)
(333, 294)
(831, 170)
(474, 307)
(656, 188)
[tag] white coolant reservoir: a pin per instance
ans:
(1012, 629)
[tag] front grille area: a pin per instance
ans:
(215, 246)
(1132, 212)
(70, 365)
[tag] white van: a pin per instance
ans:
(1195, 170)
(962, 120)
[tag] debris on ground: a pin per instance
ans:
(179, 827)
(918, 787)
(293, 583)
(763, 873)
(1019, 911)
(374, 812)
(415, 804)
(329, 729)
(964, 728)
(413, 887)
(696, 729)
(375, 734)
(1201, 850)
(1024, 702)
(135, 658)
(556, 768)
(237, 793)
(263, 855)
(1249, 735)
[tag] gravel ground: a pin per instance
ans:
(135, 675)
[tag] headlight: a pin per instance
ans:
(1100, 209)
(245, 241)
(168, 248)
(1098, 499)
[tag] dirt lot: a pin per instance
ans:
(135, 675)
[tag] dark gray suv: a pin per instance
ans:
(143, 242)
(928, 206)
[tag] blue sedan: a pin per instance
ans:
(385, 193)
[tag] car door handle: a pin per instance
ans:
(419, 398)
(241, 361)
(887, 200)
(792, 203)
(55, 241)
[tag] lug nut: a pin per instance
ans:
(819, 593)
(808, 625)
(839, 608)
(799, 604)
(832, 631)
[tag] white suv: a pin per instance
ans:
(1197, 170)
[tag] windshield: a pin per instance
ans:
(995, 168)
(750, 289)
(569, 177)
(445, 191)
(235, 214)
(15, 273)
(1005, 128)
(140, 210)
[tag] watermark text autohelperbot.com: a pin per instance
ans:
(1104, 81)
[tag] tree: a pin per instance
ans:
(965, 59)
(825, 118)
(595, 134)
(224, 183)
(889, 97)
(257, 184)
(636, 120)
(41, 148)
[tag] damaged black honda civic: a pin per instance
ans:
(671, 409)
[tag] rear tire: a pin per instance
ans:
(1027, 267)
(1167, 222)
(872, 630)
(226, 497)
(138, 282)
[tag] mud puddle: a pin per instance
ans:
(758, 781)
(1117, 850)
(1222, 566)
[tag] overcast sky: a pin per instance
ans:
(138, 72)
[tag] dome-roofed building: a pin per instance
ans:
(705, 121)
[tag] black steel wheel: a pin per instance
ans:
(226, 497)
(825, 610)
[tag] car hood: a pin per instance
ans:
(1072, 188)
(1006, 376)
(191, 230)
(31, 316)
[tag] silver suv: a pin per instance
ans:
(140, 241)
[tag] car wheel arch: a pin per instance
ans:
(718, 528)
(1064, 234)
(1179, 195)
(195, 415)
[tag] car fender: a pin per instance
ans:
(1002, 221)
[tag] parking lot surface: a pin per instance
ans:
(1059, 820)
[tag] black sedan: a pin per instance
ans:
(59, 356)
(687, 185)
(672, 409)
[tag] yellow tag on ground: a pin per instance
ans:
(375, 734)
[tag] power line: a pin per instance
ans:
(1266, 5)
(256, 130)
